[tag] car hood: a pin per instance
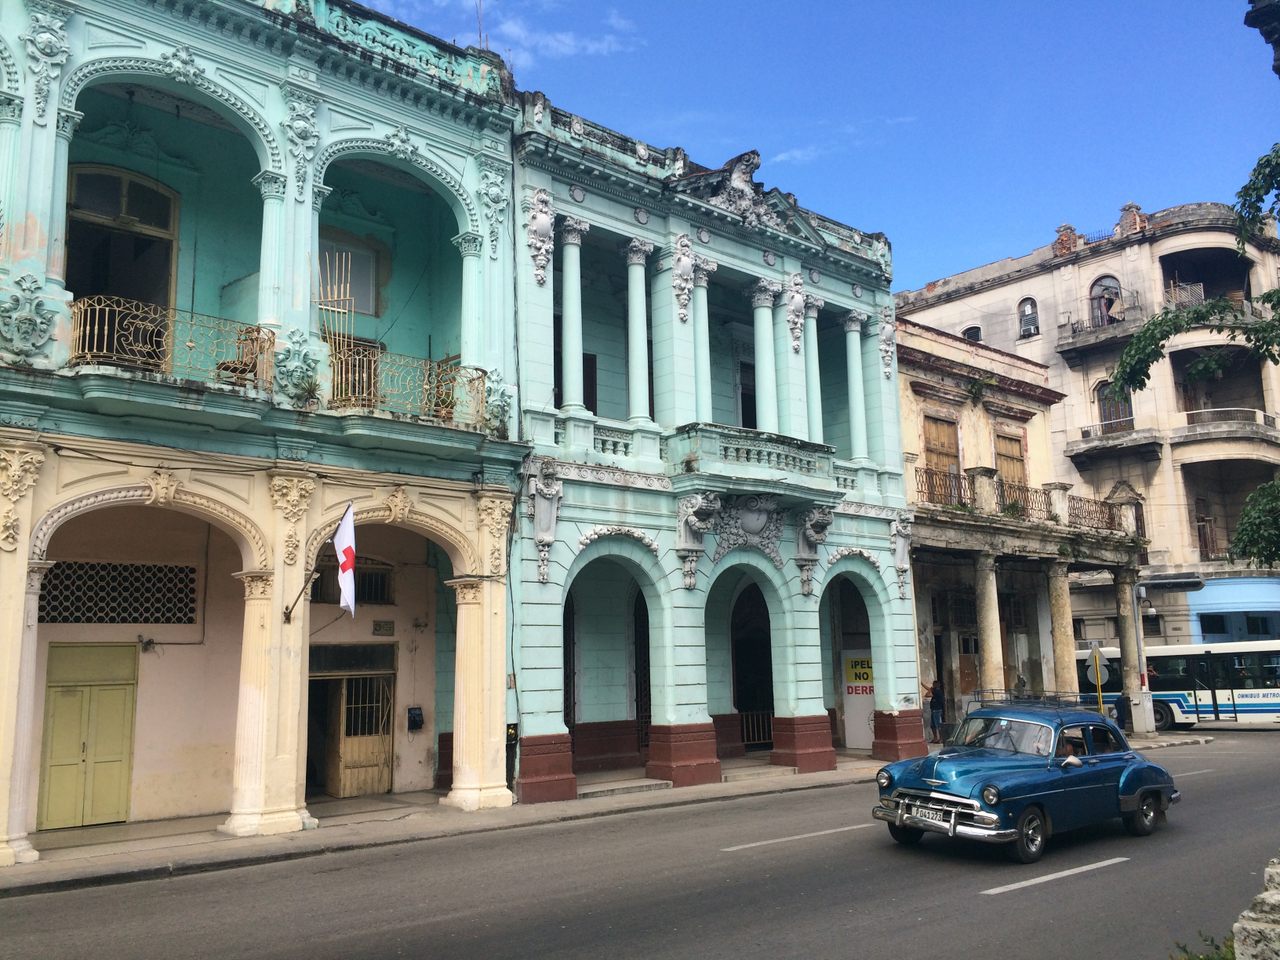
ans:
(962, 769)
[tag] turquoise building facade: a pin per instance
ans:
(619, 431)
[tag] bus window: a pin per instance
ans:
(1270, 669)
(1168, 673)
(1246, 671)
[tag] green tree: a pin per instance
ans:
(1257, 537)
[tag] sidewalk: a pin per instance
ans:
(126, 853)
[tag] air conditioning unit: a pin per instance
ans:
(1029, 327)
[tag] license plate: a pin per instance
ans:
(926, 813)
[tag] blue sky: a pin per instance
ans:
(966, 131)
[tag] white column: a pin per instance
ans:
(470, 319)
(479, 697)
(702, 270)
(637, 252)
(763, 293)
(571, 314)
(1064, 641)
(270, 267)
(853, 369)
(68, 121)
(812, 377)
(990, 649)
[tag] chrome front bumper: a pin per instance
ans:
(977, 826)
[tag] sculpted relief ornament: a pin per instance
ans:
(740, 193)
(292, 497)
(793, 301)
(682, 264)
(18, 471)
(26, 324)
(541, 234)
(303, 137)
(546, 491)
(888, 340)
(900, 531)
(811, 533)
(296, 367)
(47, 50)
(750, 521)
(493, 197)
(181, 65)
(695, 517)
(495, 516)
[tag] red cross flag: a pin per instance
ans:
(344, 545)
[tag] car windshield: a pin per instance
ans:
(1001, 733)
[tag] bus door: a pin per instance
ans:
(1214, 697)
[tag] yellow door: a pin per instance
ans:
(88, 735)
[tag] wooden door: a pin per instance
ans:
(364, 736)
(88, 745)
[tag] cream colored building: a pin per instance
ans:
(1189, 450)
(995, 536)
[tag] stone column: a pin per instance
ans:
(68, 121)
(812, 376)
(470, 245)
(637, 252)
(990, 649)
(1064, 641)
(983, 482)
(571, 314)
(1131, 666)
(479, 695)
(271, 186)
(1059, 503)
(263, 786)
(702, 270)
(19, 602)
(853, 370)
(10, 135)
(762, 294)
(788, 341)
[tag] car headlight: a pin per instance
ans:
(990, 795)
(884, 778)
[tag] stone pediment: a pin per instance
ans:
(733, 188)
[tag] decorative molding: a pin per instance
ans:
(740, 193)
(271, 185)
(9, 528)
(617, 530)
(144, 493)
(19, 468)
(180, 65)
(494, 199)
(572, 229)
(66, 123)
(900, 533)
(26, 324)
(546, 492)
(637, 251)
(163, 486)
(750, 521)
(47, 50)
(84, 75)
(793, 301)
(769, 258)
(395, 510)
(703, 267)
(465, 589)
(703, 235)
(257, 584)
(303, 136)
(292, 497)
(494, 515)
(469, 244)
(399, 504)
(296, 366)
(856, 508)
(695, 518)
(682, 267)
(811, 532)
(541, 233)
(577, 194)
(840, 553)
(398, 144)
(8, 69)
(888, 340)
(763, 292)
(641, 215)
(611, 476)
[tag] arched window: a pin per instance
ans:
(972, 333)
(1028, 317)
(1115, 414)
(1105, 304)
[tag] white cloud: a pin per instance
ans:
(523, 45)
(797, 155)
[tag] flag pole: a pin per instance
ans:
(307, 581)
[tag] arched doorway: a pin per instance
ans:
(380, 684)
(848, 692)
(607, 702)
(138, 654)
(752, 668)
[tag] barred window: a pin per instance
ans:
(76, 591)
(373, 582)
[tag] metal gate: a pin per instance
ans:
(361, 762)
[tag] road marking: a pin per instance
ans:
(1057, 876)
(1194, 773)
(801, 836)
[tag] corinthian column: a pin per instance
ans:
(812, 377)
(637, 252)
(702, 270)
(853, 371)
(762, 294)
(571, 314)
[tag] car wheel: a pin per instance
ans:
(905, 835)
(1142, 821)
(1163, 715)
(1033, 831)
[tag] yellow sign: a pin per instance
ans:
(859, 677)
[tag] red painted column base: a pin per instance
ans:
(685, 754)
(803, 743)
(546, 769)
(898, 737)
(728, 735)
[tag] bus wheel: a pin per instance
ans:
(1163, 715)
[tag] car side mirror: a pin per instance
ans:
(1072, 761)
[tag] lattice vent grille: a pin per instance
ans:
(81, 592)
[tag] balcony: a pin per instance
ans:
(367, 379)
(1226, 424)
(1095, 514)
(1102, 325)
(943, 488)
(1027, 503)
(164, 343)
(980, 495)
(724, 459)
(1113, 438)
(1213, 543)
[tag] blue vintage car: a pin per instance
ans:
(1017, 774)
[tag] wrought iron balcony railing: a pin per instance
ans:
(1107, 428)
(366, 377)
(1019, 500)
(1085, 512)
(943, 487)
(146, 337)
(1196, 418)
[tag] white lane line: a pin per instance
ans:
(1194, 773)
(802, 836)
(1057, 876)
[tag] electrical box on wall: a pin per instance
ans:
(415, 718)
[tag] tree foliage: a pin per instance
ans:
(1257, 536)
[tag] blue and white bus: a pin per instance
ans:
(1232, 682)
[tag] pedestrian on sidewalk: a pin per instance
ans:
(937, 703)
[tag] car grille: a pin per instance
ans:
(942, 808)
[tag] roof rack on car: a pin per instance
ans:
(1061, 699)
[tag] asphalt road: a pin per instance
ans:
(802, 874)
